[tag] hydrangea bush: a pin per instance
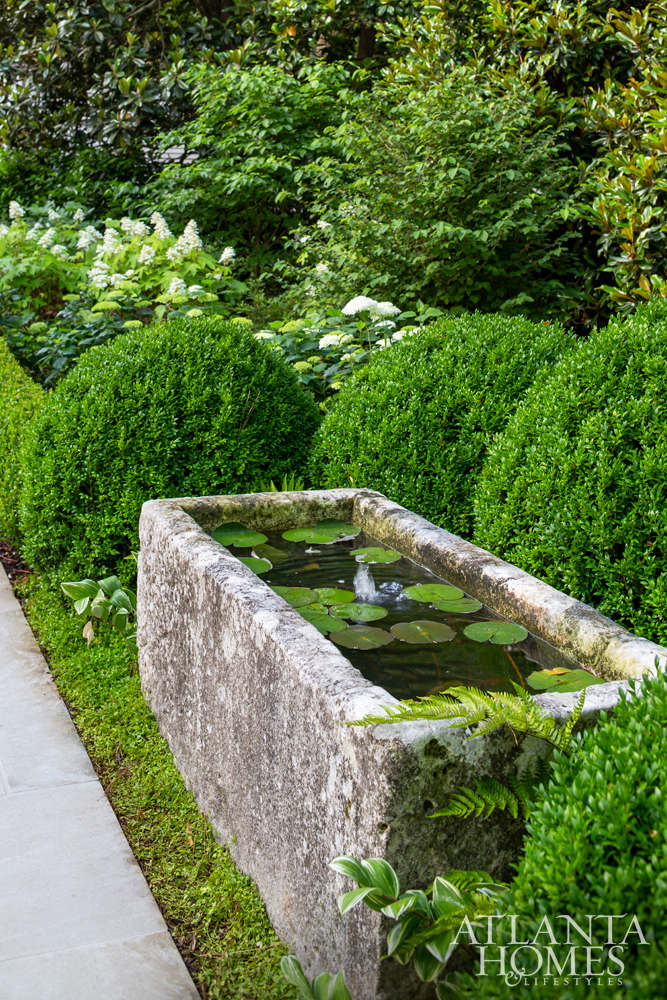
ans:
(327, 346)
(66, 284)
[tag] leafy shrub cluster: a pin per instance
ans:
(188, 408)
(20, 399)
(416, 422)
(574, 489)
(597, 844)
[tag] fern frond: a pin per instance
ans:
(490, 795)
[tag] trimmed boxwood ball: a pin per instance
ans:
(187, 408)
(416, 421)
(575, 489)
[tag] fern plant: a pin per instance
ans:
(491, 794)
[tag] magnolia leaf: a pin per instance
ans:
(429, 593)
(233, 533)
(499, 633)
(88, 632)
(331, 595)
(297, 597)
(256, 565)
(358, 612)
(373, 554)
(562, 680)
(423, 631)
(363, 637)
(464, 606)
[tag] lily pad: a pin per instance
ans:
(465, 606)
(562, 680)
(359, 612)
(332, 595)
(374, 554)
(296, 597)
(363, 637)
(317, 615)
(269, 552)
(233, 533)
(329, 530)
(256, 565)
(431, 593)
(423, 631)
(499, 633)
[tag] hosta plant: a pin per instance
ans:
(106, 600)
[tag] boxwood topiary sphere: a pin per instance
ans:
(187, 408)
(575, 489)
(416, 421)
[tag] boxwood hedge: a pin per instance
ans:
(575, 489)
(187, 408)
(416, 421)
(20, 399)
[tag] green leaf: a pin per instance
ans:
(373, 554)
(358, 612)
(256, 565)
(324, 532)
(346, 865)
(382, 876)
(79, 589)
(293, 973)
(296, 597)
(331, 595)
(110, 584)
(269, 552)
(342, 528)
(363, 637)
(317, 615)
(131, 644)
(427, 967)
(120, 600)
(233, 533)
(465, 606)
(499, 633)
(423, 631)
(562, 680)
(338, 989)
(81, 605)
(350, 899)
(441, 946)
(429, 593)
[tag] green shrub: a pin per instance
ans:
(597, 844)
(416, 421)
(574, 490)
(19, 399)
(186, 408)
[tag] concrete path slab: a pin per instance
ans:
(77, 919)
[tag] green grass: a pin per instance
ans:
(214, 912)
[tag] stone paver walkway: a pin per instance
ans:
(77, 919)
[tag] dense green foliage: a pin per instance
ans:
(213, 911)
(597, 845)
(186, 408)
(574, 489)
(415, 423)
(20, 399)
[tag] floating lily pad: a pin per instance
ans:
(499, 633)
(322, 533)
(256, 565)
(233, 533)
(373, 554)
(359, 612)
(317, 615)
(363, 637)
(430, 593)
(297, 597)
(332, 595)
(465, 606)
(269, 552)
(562, 680)
(423, 631)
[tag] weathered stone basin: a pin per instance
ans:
(249, 695)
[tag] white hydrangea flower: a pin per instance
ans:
(346, 339)
(109, 242)
(126, 224)
(227, 256)
(384, 309)
(195, 312)
(4, 230)
(117, 279)
(174, 254)
(47, 238)
(79, 215)
(399, 335)
(130, 273)
(160, 227)
(147, 254)
(32, 234)
(322, 268)
(177, 287)
(264, 335)
(346, 357)
(323, 224)
(330, 340)
(358, 304)
(59, 250)
(98, 275)
(15, 211)
(195, 290)
(140, 229)
(190, 238)
(87, 237)
(52, 215)
(386, 324)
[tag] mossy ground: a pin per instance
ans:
(214, 913)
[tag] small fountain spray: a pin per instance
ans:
(364, 584)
